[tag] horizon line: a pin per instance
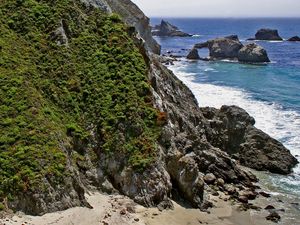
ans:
(227, 17)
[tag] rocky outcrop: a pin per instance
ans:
(168, 30)
(187, 153)
(231, 48)
(253, 53)
(295, 38)
(267, 35)
(193, 54)
(232, 130)
(60, 34)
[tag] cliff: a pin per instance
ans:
(86, 104)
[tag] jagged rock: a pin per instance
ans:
(210, 178)
(268, 35)
(264, 194)
(295, 38)
(232, 130)
(274, 216)
(253, 53)
(168, 30)
(193, 54)
(222, 48)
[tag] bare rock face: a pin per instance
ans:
(186, 176)
(193, 54)
(168, 30)
(253, 53)
(60, 34)
(232, 130)
(268, 35)
(295, 38)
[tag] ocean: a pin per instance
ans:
(270, 93)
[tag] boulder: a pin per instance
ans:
(168, 30)
(274, 217)
(253, 53)
(295, 38)
(220, 182)
(210, 178)
(222, 48)
(193, 54)
(268, 35)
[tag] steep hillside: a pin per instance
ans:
(72, 82)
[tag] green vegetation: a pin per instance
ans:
(54, 97)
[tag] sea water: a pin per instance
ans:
(270, 92)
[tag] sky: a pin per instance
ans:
(220, 8)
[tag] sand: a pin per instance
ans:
(120, 210)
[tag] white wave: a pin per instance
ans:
(209, 69)
(283, 125)
(197, 35)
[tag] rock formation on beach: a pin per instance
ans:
(267, 35)
(295, 38)
(231, 48)
(166, 29)
(93, 108)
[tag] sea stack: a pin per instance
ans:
(253, 53)
(193, 54)
(268, 35)
(165, 29)
(222, 48)
(295, 38)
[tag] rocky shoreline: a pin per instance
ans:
(200, 150)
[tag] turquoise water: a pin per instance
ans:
(270, 93)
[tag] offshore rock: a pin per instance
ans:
(168, 30)
(295, 38)
(222, 48)
(268, 35)
(253, 53)
(193, 54)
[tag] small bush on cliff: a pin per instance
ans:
(90, 91)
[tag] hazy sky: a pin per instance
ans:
(220, 8)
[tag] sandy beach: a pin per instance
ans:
(120, 210)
